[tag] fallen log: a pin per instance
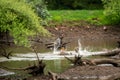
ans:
(78, 61)
(109, 53)
(106, 61)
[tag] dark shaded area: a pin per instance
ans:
(4, 52)
(118, 44)
(5, 38)
(74, 4)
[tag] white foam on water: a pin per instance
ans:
(47, 56)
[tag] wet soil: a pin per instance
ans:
(91, 73)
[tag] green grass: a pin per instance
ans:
(92, 16)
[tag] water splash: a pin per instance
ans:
(81, 51)
(57, 44)
(79, 45)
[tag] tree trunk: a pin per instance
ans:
(109, 53)
(106, 61)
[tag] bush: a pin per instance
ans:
(40, 8)
(18, 18)
(112, 11)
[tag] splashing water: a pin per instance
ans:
(79, 47)
(57, 44)
(80, 50)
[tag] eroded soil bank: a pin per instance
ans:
(86, 32)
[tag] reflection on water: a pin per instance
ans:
(57, 65)
(51, 65)
(87, 44)
(94, 44)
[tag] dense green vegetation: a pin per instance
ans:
(110, 15)
(19, 19)
(40, 9)
(112, 11)
(73, 15)
(74, 4)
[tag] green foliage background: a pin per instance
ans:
(40, 8)
(112, 11)
(19, 19)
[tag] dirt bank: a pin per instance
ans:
(91, 73)
(90, 32)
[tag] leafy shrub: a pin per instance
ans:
(19, 19)
(40, 8)
(112, 11)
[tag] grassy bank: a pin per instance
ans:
(91, 16)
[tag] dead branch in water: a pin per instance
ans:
(78, 61)
(36, 69)
(107, 61)
(33, 48)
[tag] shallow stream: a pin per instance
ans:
(55, 62)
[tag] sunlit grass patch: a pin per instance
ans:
(92, 16)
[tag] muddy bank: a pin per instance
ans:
(86, 32)
(85, 73)
(91, 73)
(71, 33)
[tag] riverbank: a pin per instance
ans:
(73, 33)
